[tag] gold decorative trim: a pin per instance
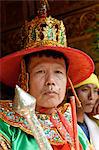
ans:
(4, 143)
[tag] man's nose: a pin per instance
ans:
(50, 80)
(92, 95)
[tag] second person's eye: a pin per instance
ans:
(85, 89)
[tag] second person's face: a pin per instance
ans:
(88, 95)
(47, 80)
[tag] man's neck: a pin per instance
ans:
(80, 116)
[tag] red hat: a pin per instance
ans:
(45, 33)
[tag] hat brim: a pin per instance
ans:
(80, 64)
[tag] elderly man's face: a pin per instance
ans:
(47, 80)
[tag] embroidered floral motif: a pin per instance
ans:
(53, 135)
(67, 114)
(45, 120)
(11, 117)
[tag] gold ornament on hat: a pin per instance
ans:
(44, 31)
(23, 77)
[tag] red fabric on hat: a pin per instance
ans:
(80, 64)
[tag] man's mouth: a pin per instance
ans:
(50, 93)
(90, 104)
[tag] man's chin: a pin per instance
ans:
(89, 110)
(47, 110)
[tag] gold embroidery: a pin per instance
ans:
(4, 143)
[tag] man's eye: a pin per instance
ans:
(96, 90)
(85, 89)
(58, 72)
(40, 71)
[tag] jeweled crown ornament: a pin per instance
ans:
(44, 31)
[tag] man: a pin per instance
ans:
(87, 92)
(45, 62)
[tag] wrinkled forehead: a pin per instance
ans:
(46, 61)
(90, 86)
(46, 56)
